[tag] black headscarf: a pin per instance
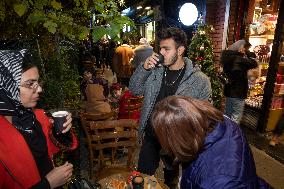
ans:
(23, 119)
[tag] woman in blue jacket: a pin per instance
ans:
(211, 148)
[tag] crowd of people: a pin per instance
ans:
(177, 123)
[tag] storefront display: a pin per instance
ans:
(261, 36)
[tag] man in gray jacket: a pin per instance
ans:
(177, 76)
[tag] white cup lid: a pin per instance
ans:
(63, 113)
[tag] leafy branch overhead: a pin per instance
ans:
(71, 19)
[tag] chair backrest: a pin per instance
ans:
(99, 117)
(114, 133)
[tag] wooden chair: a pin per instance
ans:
(105, 139)
(85, 119)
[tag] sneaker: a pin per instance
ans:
(274, 141)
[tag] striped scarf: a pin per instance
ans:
(10, 78)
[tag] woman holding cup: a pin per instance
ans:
(26, 147)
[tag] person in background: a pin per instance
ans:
(179, 76)
(212, 149)
(143, 51)
(27, 140)
(236, 61)
(121, 63)
(89, 78)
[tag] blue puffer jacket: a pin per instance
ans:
(226, 162)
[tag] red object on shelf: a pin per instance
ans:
(132, 175)
(129, 106)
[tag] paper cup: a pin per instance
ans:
(59, 119)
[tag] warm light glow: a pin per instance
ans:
(147, 8)
(188, 14)
(139, 7)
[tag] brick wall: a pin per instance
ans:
(215, 15)
(234, 7)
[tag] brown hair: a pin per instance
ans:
(182, 123)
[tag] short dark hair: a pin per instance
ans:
(178, 35)
(182, 123)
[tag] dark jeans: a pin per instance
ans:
(149, 158)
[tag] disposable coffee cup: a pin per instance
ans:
(59, 119)
(161, 60)
(138, 182)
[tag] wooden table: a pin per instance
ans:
(124, 177)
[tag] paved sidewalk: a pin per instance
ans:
(268, 168)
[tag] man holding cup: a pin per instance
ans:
(177, 76)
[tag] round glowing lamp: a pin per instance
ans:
(188, 14)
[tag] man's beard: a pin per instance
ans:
(173, 59)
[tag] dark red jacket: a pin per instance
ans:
(17, 166)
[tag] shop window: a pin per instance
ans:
(261, 37)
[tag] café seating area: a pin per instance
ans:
(111, 138)
(108, 139)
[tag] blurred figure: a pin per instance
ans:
(236, 61)
(90, 78)
(121, 63)
(211, 148)
(143, 51)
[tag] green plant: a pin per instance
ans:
(61, 79)
(200, 51)
(28, 19)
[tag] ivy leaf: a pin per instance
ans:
(20, 9)
(51, 26)
(56, 5)
(98, 33)
(35, 17)
(99, 7)
(77, 2)
(84, 33)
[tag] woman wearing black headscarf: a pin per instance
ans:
(26, 137)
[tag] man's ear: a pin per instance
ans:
(181, 50)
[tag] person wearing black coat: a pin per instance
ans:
(236, 61)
